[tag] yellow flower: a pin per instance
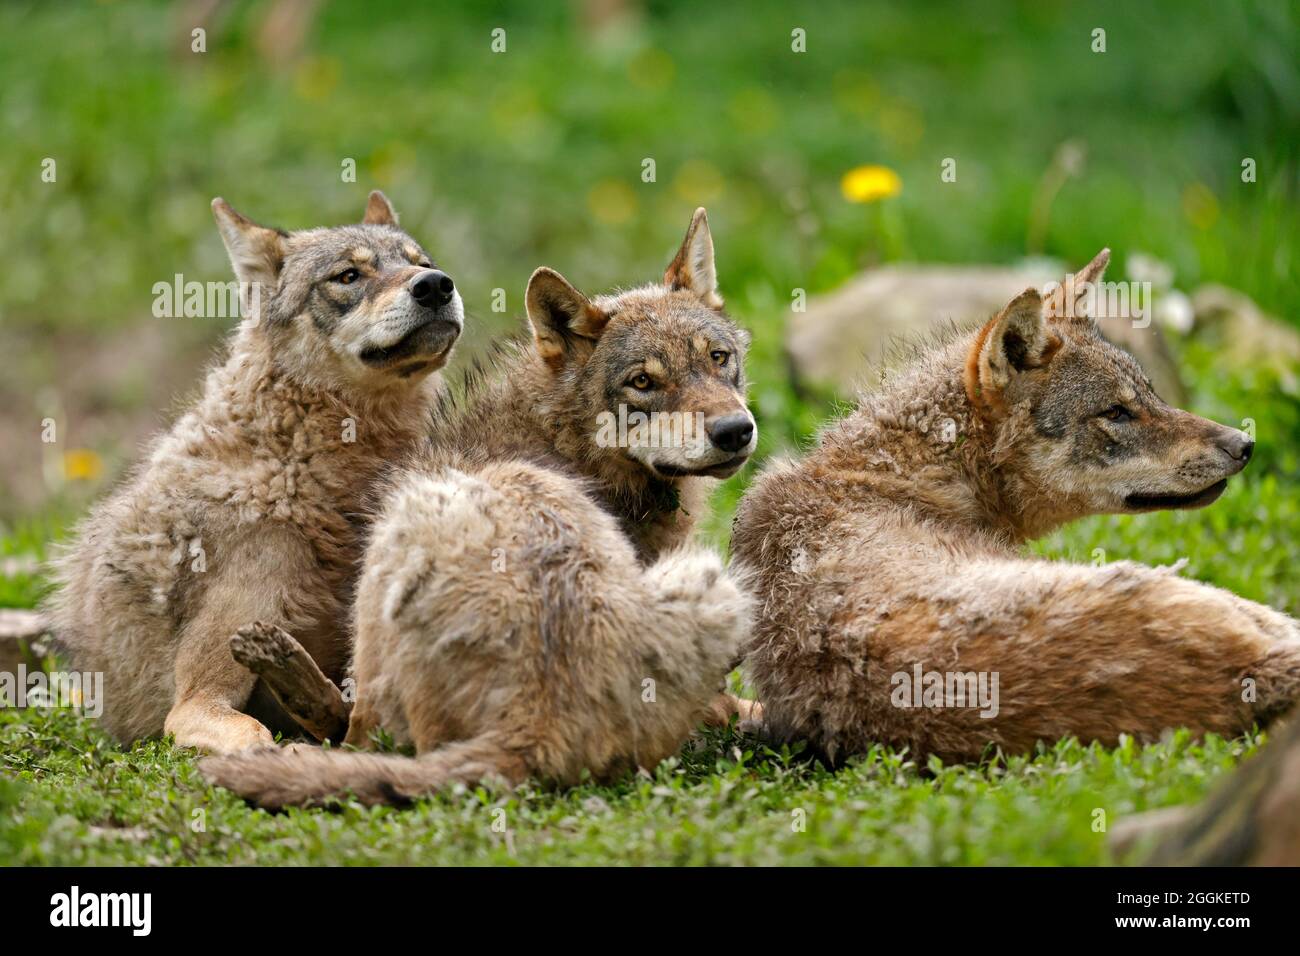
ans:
(870, 183)
(82, 464)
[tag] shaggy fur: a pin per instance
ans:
(251, 507)
(526, 608)
(897, 543)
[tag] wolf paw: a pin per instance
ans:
(215, 729)
(259, 646)
(713, 598)
(693, 578)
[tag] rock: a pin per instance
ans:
(1249, 336)
(846, 334)
(21, 638)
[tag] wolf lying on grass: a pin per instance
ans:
(894, 547)
(249, 508)
(526, 607)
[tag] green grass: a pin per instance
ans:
(500, 163)
(77, 799)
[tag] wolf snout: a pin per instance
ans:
(414, 337)
(432, 288)
(1237, 445)
(731, 432)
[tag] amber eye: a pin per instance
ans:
(641, 382)
(720, 357)
(347, 277)
(1117, 413)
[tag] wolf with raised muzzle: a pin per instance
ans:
(529, 606)
(895, 605)
(252, 507)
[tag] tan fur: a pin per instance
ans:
(528, 607)
(252, 507)
(897, 541)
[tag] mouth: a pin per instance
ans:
(429, 341)
(721, 469)
(1197, 499)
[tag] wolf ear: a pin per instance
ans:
(379, 211)
(256, 253)
(565, 322)
(692, 268)
(1013, 341)
(1077, 296)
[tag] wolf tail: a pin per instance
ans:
(309, 776)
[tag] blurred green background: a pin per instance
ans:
(502, 161)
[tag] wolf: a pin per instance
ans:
(529, 606)
(891, 555)
(252, 506)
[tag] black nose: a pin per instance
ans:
(432, 288)
(731, 432)
(1238, 446)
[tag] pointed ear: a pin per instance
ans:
(692, 268)
(1077, 296)
(256, 252)
(565, 322)
(379, 211)
(1013, 341)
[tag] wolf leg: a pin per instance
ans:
(1079, 651)
(211, 688)
(293, 678)
(361, 722)
(702, 617)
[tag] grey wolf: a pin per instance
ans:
(252, 506)
(895, 547)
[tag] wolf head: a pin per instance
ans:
(658, 372)
(1079, 418)
(360, 304)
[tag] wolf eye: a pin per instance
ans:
(720, 357)
(1117, 413)
(641, 382)
(347, 276)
